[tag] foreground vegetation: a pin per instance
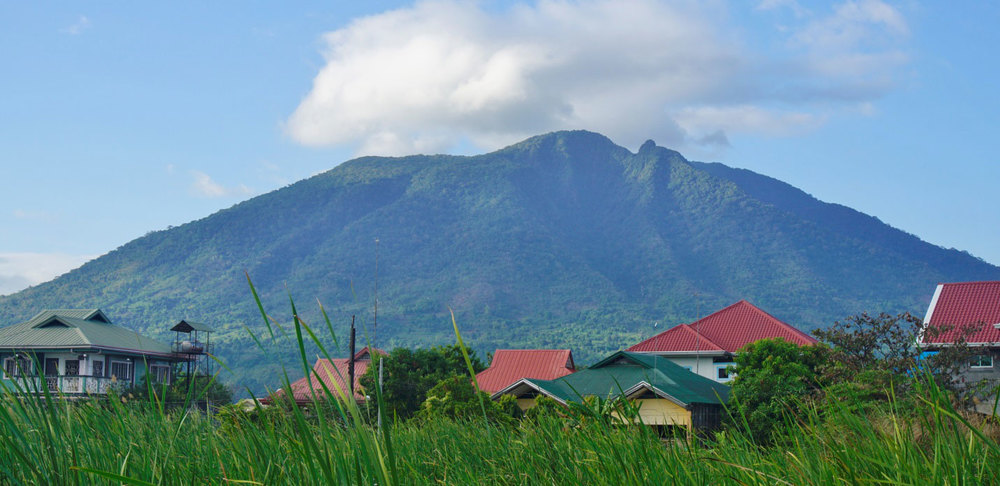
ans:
(54, 442)
(809, 438)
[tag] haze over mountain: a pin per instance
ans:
(563, 240)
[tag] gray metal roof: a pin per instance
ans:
(65, 328)
(188, 326)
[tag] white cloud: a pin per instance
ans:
(19, 270)
(747, 119)
(82, 23)
(204, 186)
(427, 78)
(33, 215)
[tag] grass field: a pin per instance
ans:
(54, 442)
(122, 440)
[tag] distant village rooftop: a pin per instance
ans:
(969, 310)
(510, 365)
(725, 331)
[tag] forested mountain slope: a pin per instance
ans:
(563, 240)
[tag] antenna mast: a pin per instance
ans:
(375, 318)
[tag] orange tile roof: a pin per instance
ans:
(331, 372)
(727, 330)
(510, 365)
(961, 306)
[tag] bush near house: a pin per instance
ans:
(774, 375)
(409, 374)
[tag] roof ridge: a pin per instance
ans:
(701, 335)
(754, 308)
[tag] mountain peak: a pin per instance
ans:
(647, 146)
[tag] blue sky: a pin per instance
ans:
(124, 118)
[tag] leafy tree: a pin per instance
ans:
(409, 374)
(457, 398)
(875, 356)
(773, 374)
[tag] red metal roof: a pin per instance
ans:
(726, 330)
(962, 305)
(510, 365)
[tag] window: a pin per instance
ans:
(72, 367)
(19, 366)
(121, 370)
(98, 368)
(981, 361)
(160, 374)
(722, 372)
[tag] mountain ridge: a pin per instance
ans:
(562, 240)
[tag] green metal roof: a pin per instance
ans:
(628, 373)
(88, 314)
(76, 328)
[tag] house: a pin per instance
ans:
(707, 346)
(510, 365)
(333, 375)
(969, 310)
(80, 352)
(667, 394)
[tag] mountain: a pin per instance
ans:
(563, 240)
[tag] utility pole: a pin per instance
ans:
(697, 337)
(350, 362)
(375, 318)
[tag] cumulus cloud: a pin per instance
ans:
(443, 73)
(20, 270)
(204, 186)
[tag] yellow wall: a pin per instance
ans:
(659, 411)
(526, 403)
(652, 411)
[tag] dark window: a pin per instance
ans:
(98, 368)
(51, 366)
(72, 367)
(121, 370)
(981, 361)
(723, 374)
(161, 374)
(19, 366)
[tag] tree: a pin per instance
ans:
(409, 374)
(874, 357)
(457, 398)
(772, 375)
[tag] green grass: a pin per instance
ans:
(134, 443)
(46, 440)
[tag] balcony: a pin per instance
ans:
(69, 384)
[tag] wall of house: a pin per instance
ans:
(702, 365)
(86, 368)
(991, 373)
(660, 411)
(526, 403)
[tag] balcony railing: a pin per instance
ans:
(69, 384)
